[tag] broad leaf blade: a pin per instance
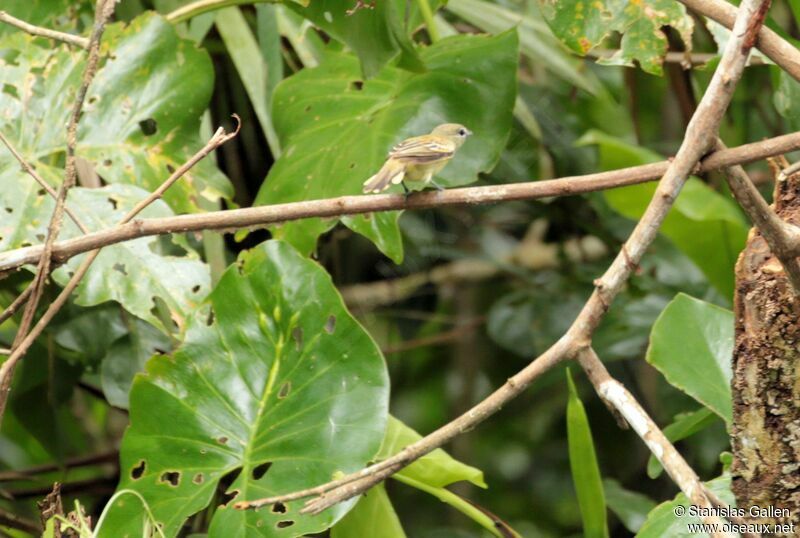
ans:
(373, 515)
(277, 384)
(691, 344)
(336, 129)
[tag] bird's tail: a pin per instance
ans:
(392, 172)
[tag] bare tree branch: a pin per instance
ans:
(7, 368)
(777, 49)
(26, 166)
(699, 139)
(253, 217)
(76, 40)
(780, 235)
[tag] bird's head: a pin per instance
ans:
(455, 131)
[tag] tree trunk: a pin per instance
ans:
(766, 376)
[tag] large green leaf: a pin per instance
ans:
(336, 129)
(705, 225)
(585, 470)
(141, 117)
(664, 521)
(631, 507)
(685, 425)
(276, 387)
(582, 25)
(692, 345)
(376, 34)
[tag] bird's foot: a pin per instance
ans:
(437, 186)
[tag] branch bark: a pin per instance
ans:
(254, 217)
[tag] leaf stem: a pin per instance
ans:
(448, 497)
(427, 14)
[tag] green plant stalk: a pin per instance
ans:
(427, 15)
(204, 6)
(150, 518)
(448, 497)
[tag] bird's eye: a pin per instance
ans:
(462, 132)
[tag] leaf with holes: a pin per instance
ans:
(143, 275)
(276, 388)
(337, 129)
(141, 118)
(583, 25)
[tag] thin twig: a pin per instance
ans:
(103, 11)
(779, 235)
(434, 339)
(76, 40)
(11, 309)
(26, 166)
(700, 135)
(686, 59)
(110, 456)
(7, 368)
(250, 217)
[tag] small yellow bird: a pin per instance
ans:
(419, 158)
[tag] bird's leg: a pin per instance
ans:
(406, 192)
(437, 186)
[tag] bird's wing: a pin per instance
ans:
(423, 149)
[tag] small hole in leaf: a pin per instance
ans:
(9, 210)
(171, 477)
(92, 99)
(222, 440)
(307, 108)
(41, 192)
(26, 244)
(227, 497)
(357, 85)
(367, 216)
(260, 470)
(121, 268)
(210, 318)
(138, 471)
(285, 523)
(170, 168)
(285, 389)
(198, 478)
(196, 288)
(112, 202)
(107, 162)
(352, 165)
(330, 325)
(149, 126)
(297, 334)
(279, 508)
(40, 237)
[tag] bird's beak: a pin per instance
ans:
(469, 132)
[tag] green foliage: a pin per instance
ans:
(583, 25)
(685, 425)
(630, 507)
(585, 470)
(724, 228)
(275, 387)
(336, 129)
(140, 122)
(373, 515)
(691, 345)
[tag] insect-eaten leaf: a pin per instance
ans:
(582, 25)
(141, 116)
(242, 411)
(337, 128)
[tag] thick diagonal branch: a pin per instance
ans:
(698, 140)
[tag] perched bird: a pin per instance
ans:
(419, 158)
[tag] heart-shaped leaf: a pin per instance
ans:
(336, 129)
(276, 388)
